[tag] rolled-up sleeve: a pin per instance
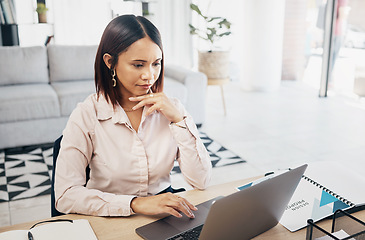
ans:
(193, 157)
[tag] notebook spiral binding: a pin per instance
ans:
(344, 200)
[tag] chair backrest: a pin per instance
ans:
(56, 150)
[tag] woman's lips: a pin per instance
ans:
(145, 86)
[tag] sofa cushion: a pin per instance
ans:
(173, 88)
(71, 93)
(28, 102)
(71, 63)
(23, 65)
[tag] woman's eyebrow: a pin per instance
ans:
(141, 60)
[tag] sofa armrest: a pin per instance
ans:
(196, 84)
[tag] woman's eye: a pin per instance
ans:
(157, 64)
(138, 65)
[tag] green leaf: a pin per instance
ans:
(192, 27)
(193, 30)
(210, 19)
(226, 23)
(196, 9)
(224, 34)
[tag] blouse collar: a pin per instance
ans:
(105, 111)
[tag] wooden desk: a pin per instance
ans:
(107, 228)
(220, 82)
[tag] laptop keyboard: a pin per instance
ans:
(192, 234)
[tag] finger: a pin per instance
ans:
(140, 98)
(143, 103)
(179, 205)
(188, 213)
(191, 206)
(188, 205)
(173, 212)
(136, 99)
(152, 109)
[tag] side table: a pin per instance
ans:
(220, 82)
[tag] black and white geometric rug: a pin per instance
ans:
(219, 155)
(26, 172)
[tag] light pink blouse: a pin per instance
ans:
(124, 163)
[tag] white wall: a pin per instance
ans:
(25, 11)
(80, 22)
(263, 26)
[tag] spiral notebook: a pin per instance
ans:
(324, 188)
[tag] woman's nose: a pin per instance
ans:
(148, 74)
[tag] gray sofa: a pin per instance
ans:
(39, 88)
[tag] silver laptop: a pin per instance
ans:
(241, 215)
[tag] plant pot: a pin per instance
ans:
(214, 64)
(42, 18)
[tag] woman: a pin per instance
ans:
(128, 133)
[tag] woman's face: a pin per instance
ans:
(138, 68)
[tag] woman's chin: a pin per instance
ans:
(141, 93)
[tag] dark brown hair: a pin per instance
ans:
(120, 33)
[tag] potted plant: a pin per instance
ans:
(214, 63)
(42, 12)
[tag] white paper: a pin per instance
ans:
(339, 234)
(79, 229)
(14, 235)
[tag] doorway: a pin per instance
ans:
(335, 51)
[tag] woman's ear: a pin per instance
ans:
(108, 60)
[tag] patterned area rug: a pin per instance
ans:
(26, 172)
